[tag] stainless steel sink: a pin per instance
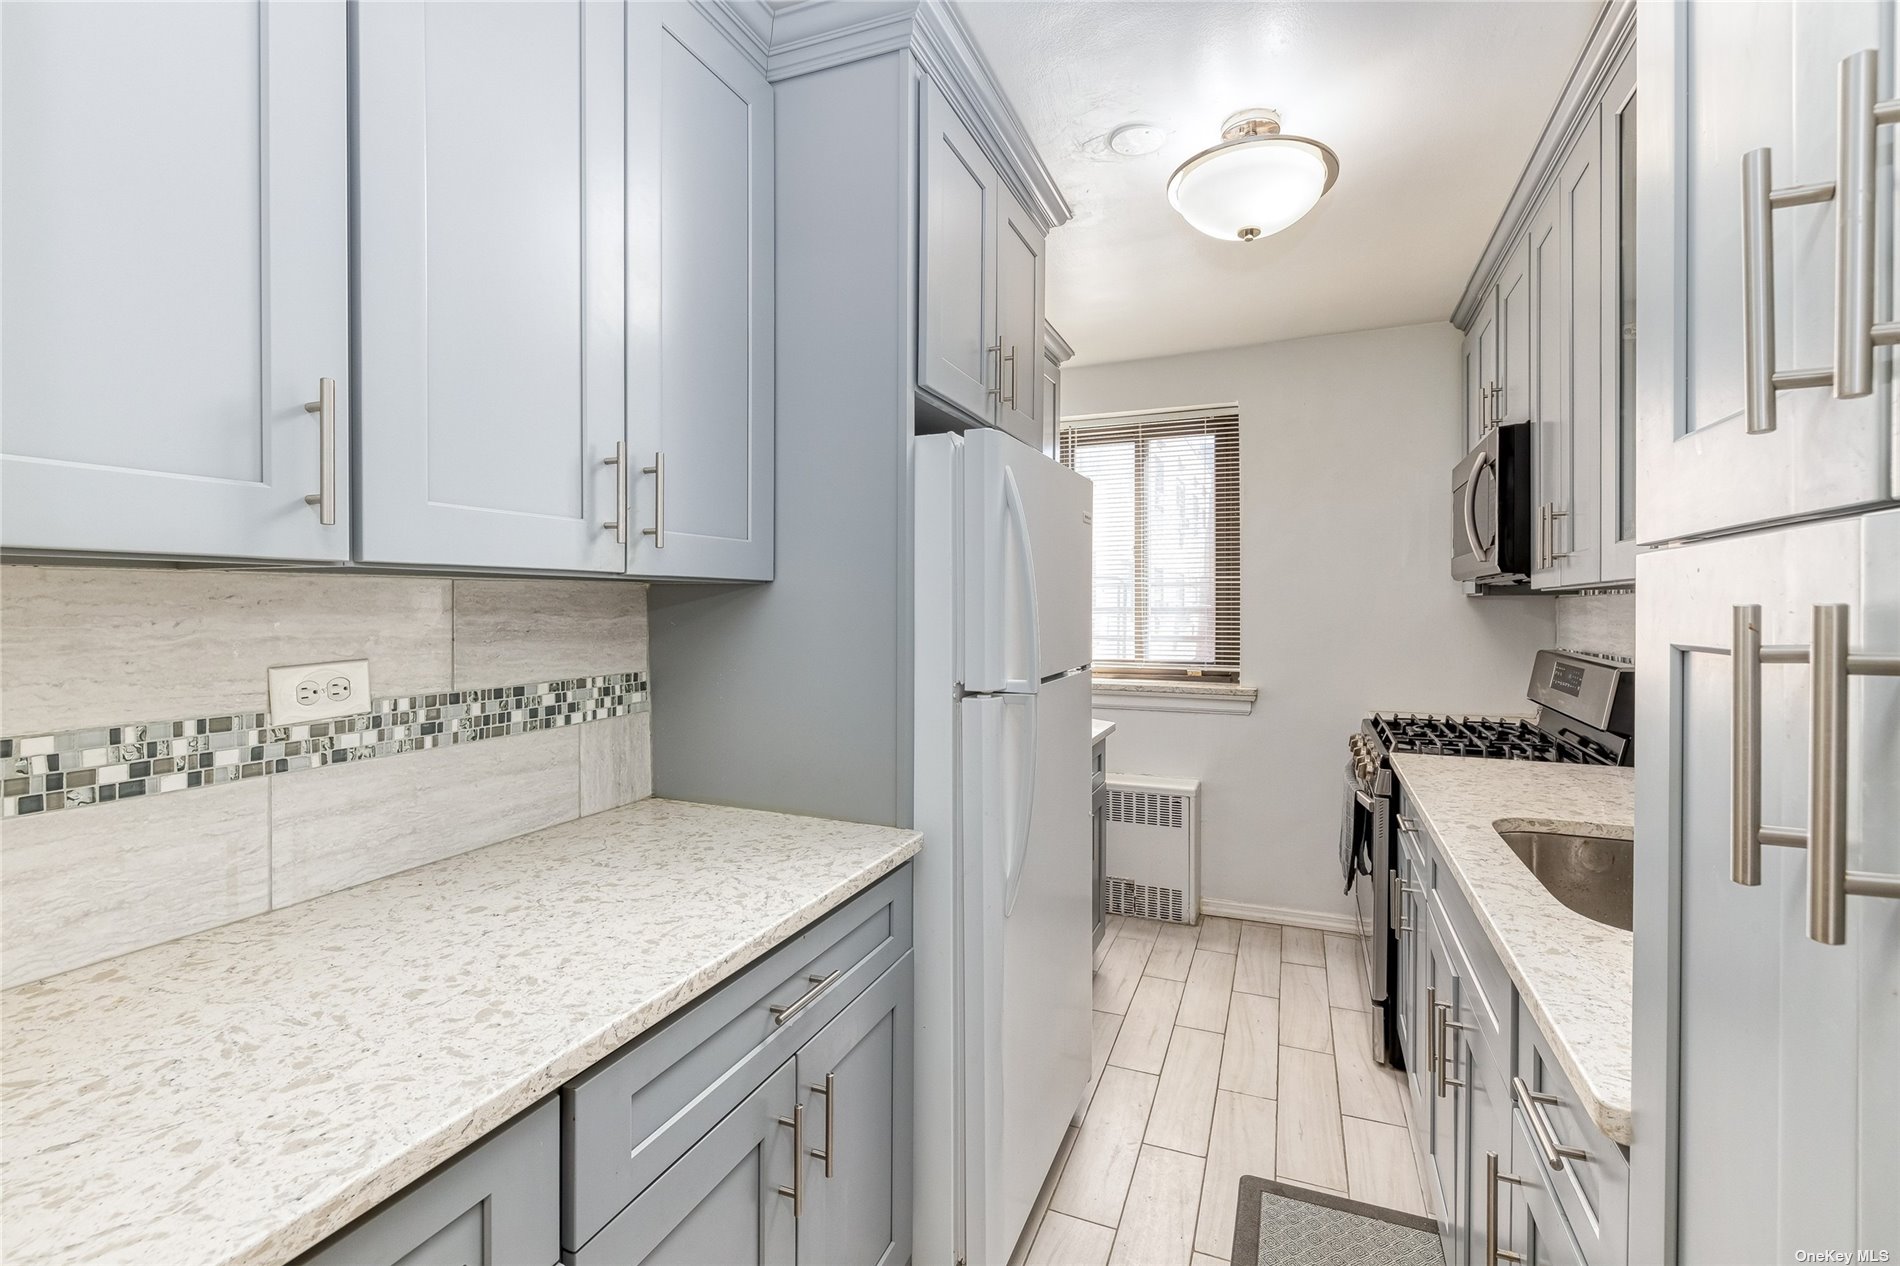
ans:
(1589, 873)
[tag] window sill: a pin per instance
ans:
(1120, 694)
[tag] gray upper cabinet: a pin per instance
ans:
(176, 262)
(854, 1085)
(1512, 368)
(700, 263)
(1482, 362)
(498, 1202)
(1019, 327)
(1719, 84)
(957, 350)
(489, 292)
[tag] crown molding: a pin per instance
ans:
(1057, 346)
(1612, 33)
(805, 36)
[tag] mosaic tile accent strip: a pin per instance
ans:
(45, 773)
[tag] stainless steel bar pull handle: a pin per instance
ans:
(1492, 1177)
(1009, 359)
(1444, 1025)
(1760, 201)
(658, 530)
(1555, 1153)
(1856, 333)
(618, 524)
(828, 1090)
(1831, 663)
(997, 352)
(796, 1192)
(818, 985)
(324, 406)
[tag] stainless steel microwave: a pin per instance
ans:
(1492, 508)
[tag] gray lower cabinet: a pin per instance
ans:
(724, 1201)
(768, 1122)
(1537, 1231)
(498, 1202)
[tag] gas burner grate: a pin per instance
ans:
(1493, 738)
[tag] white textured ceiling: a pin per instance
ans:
(1433, 107)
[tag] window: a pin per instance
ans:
(1167, 541)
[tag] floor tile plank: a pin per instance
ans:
(1250, 1058)
(1303, 945)
(1380, 1167)
(1143, 930)
(1305, 1019)
(1157, 1227)
(1242, 1142)
(1308, 1144)
(1143, 1041)
(1067, 1241)
(1173, 951)
(1105, 1026)
(1366, 1088)
(1120, 972)
(1258, 970)
(1346, 973)
(1220, 935)
(1210, 981)
(1095, 1181)
(1184, 1101)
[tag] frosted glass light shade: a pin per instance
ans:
(1252, 187)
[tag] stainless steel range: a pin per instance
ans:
(1585, 715)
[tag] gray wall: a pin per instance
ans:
(796, 695)
(1347, 600)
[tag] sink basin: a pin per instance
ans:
(1589, 873)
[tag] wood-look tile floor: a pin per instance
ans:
(1228, 1049)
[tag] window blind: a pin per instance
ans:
(1167, 541)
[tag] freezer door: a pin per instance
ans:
(1027, 557)
(1027, 810)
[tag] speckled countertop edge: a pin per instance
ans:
(1099, 730)
(235, 1097)
(1574, 973)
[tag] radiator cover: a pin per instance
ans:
(1154, 848)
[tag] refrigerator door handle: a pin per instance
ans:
(1018, 854)
(1026, 554)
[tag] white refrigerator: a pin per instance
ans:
(1001, 785)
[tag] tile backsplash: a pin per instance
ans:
(1599, 622)
(551, 673)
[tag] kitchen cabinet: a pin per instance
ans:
(1481, 371)
(980, 283)
(1056, 353)
(700, 355)
(1511, 383)
(1098, 840)
(499, 1201)
(1522, 1186)
(1719, 85)
(176, 253)
(1617, 119)
(490, 161)
(1765, 1029)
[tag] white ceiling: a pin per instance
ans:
(1433, 107)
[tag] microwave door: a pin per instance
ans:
(1470, 559)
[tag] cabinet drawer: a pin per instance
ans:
(1098, 765)
(1489, 1002)
(496, 1202)
(1594, 1191)
(637, 1112)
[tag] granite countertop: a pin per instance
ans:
(1573, 972)
(237, 1096)
(1099, 730)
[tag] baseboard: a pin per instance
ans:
(1274, 914)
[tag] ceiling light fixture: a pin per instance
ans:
(1132, 140)
(1255, 182)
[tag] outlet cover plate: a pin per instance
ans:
(312, 692)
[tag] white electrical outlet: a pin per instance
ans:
(311, 692)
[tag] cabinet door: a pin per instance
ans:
(1763, 1047)
(1445, 1133)
(726, 1200)
(1484, 329)
(854, 1080)
(956, 302)
(176, 255)
(700, 355)
(1019, 268)
(497, 1202)
(1484, 1104)
(1513, 364)
(1617, 119)
(1573, 531)
(1717, 82)
(489, 283)
(1535, 1228)
(1550, 447)
(1051, 405)
(1475, 415)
